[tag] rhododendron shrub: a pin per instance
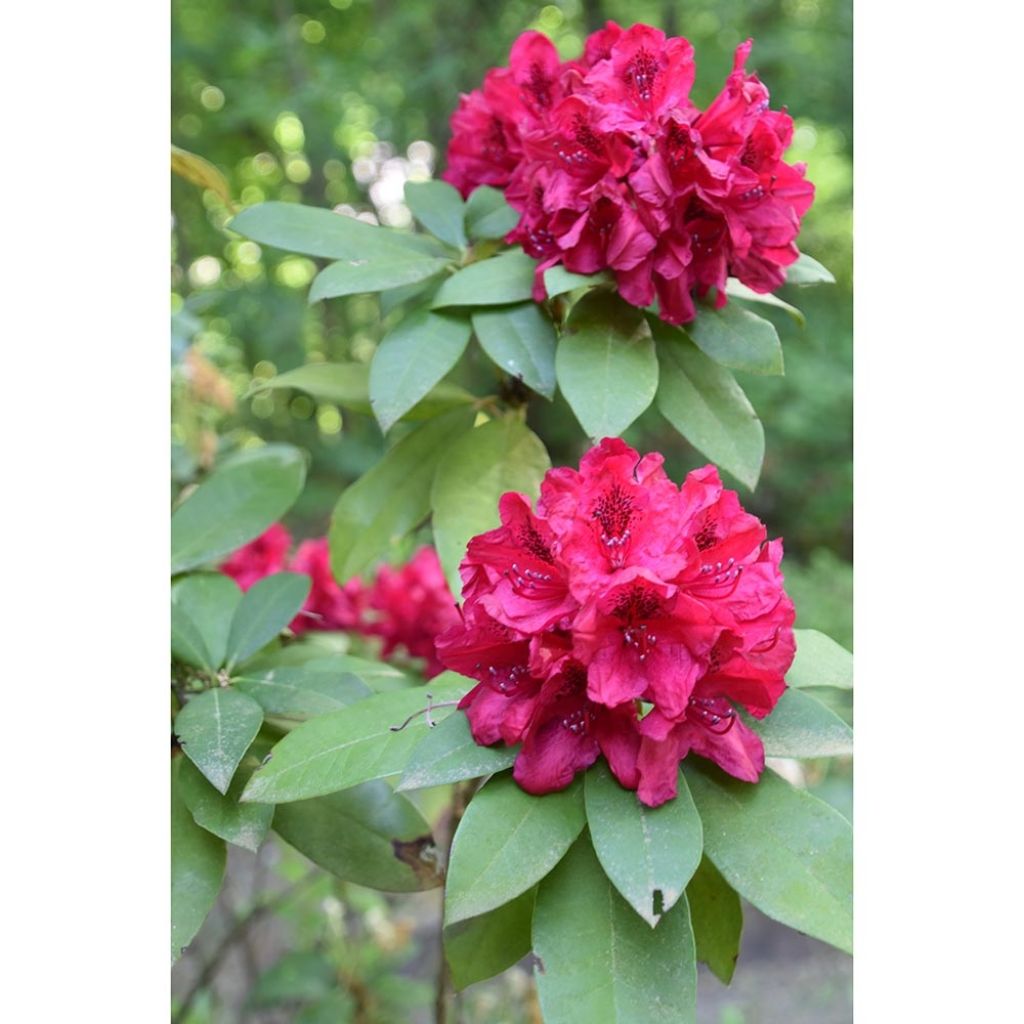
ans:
(612, 166)
(626, 617)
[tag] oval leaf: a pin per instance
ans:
(450, 754)
(198, 860)
(367, 835)
(808, 270)
(302, 691)
(801, 726)
(820, 661)
(507, 841)
(737, 338)
(558, 280)
(208, 600)
(411, 360)
(649, 853)
(357, 744)
(484, 946)
(237, 503)
(497, 281)
(705, 404)
(390, 500)
(488, 215)
(438, 207)
(499, 456)
(597, 961)
(357, 276)
(345, 384)
(215, 730)
(738, 290)
(717, 918)
(521, 340)
(267, 607)
(785, 851)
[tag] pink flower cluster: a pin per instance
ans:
(406, 606)
(626, 616)
(611, 166)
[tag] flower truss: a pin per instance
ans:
(611, 166)
(627, 617)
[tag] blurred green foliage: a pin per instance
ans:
(333, 102)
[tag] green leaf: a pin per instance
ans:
(648, 853)
(360, 275)
(497, 281)
(717, 918)
(785, 851)
(244, 825)
(315, 231)
(215, 730)
(367, 835)
(737, 338)
(438, 207)
(344, 748)
(302, 691)
(345, 384)
(197, 870)
(411, 359)
(202, 606)
(705, 404)
(450, 754)
(267, 608)
(521, 340)
(597, 961)
(378, 675)
(507, 841)
(558, 280)
(801, 726)
(501, 455)
(481, 947)
(738, 290)
(237, 503)
(820, 661)
(807, 270)
(606, 364)
(392, 498)
(488, 215)
(296, 977)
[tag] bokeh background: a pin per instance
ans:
(340, 102)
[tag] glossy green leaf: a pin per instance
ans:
(606, 364)
(366, 835)
(318, 232)
(215, 729)
(488, 215)
(344, 748)
(357, 276)
(411, 359)
(648, 853)
(481, 947)
(717, 918)
(738, 290)
(391, 299)
(450, 754)
(507, 841)
(379, 676)
(204, 602)
(197, 870)
(187, 642)
(521, 340)
(301, 691)
(808, 270)
(267, 608)
(737, 338)
(598, 961)
(438, 207)
(345, 384)
(497, 281)
(392, 498)
(558, 280)
(501, 455)
(310, 655)
(296, 977)
(703, 401)
(820, 661)
(785, 851)
(237, 503)
(801, 726)
(244, 825)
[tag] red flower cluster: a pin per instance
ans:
(611, 166)
(625, 617)
(412, 603)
